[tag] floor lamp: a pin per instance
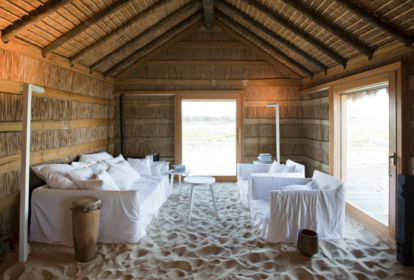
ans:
(277, 131)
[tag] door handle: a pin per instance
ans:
(392, 159)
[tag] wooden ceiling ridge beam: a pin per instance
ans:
(34, 16)
(114, 7)
(274, 36)
(244, 63)
(222, 44)
(160, 5)
(225, 21)
(147, 34)
(378, 23)
(208, 10)
(166, 40)
(328, 26)
(289, 26)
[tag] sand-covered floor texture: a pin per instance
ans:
(210, 248)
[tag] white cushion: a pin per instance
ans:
(296, 188)
(80, 164)
(123, 174)
(114, 160)
(56, 175)
(313, 185)
(142, 166)
(159, 167)
(80, 175)
(100, 181)
(280, 168)
(94, 158)
(99, 166)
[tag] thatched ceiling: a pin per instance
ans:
(308, 36)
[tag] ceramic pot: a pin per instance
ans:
(308, 243)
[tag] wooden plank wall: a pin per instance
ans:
(73, 116)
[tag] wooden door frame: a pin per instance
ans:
(178, 140)
(396, 76)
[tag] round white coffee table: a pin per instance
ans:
(196, 181)
(179, 173)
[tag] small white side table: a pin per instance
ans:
(197, 181)
(179, 173)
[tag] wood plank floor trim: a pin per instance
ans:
(47, 125)
(11, 163)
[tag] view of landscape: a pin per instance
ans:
(209, 137)
(367, 153)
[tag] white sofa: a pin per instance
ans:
(124, 218)
(244, 170)
(278, 214)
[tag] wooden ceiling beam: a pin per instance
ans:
(289, 26)
(274, 36)
(166, 40)
(228, 25)
(147, 35)
(208, 82)
(381, 25)
(221, 44)
(328, 26)
(148, 13)
(208, 9)
(245, 63)
(85, 25)
(34, 16)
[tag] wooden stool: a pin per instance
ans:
(85, 221)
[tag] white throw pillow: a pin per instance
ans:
(99, 166)
(80, 164)
(159, 167)
(56, 175)
(123, 174)
(114, 160)
(280, 168)
(80, 175)
(94, 158)
(142, 166)
(100, 181)
(313, 185)
(296, 188)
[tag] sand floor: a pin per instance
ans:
(210, 248)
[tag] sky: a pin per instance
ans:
(375, 106)
(209, 108)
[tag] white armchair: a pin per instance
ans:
(245, 171)
(278, 214)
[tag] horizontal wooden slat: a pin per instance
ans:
(7, 86)
(264, 103)
(237, 63)
(272, 121)
(149, 103)
(316, 102)
(319, 165)
(147, 140)
(194, 82)
(317, 144)
(9, 201)
(172, 92)
(222, 44)
(318, 122)
(46, 125)
(272, 140)
(147, 121)
(11, 163)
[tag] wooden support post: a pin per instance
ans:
(208, 8)
(257, 41)
(34, 16)
(25, 165)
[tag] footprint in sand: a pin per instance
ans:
(209, 250)
(182, 265)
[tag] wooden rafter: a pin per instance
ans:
(85, 25)
(304, 36)
(243, 63)
(328, 26)
(147, 34)
(157, 46)
(208, 82)
(256, 41)
(208, 9)
(381, 25)
(34, 16)
(221, 44)
(148, 13)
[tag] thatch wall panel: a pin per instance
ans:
(316, 153)
(251, 150)
(81, 110)
(141, 150)
(315, 95)
(151, 130)
(10, 105)
(167, 88)
(50, 109)
(277, 93)
(320, 112)
(9, 183)
(9, 220)
(11, 143)
(285, 112)
(147, 112)
(269, 130)
(316, 132)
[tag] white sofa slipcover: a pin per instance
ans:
(124, 218)
(279, 215)
(244, 170)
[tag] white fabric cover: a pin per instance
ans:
(114, 160)
(242, 190)
(94, 158)
(101, 181)
(79, 175)
(123, 174)
(142, 166)
(99, 166)
(56, 175)
(299, 168)
(245, 169)
(280, 216)
(296, 188)
(159, 167)
(80, 164)
(124, 217)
